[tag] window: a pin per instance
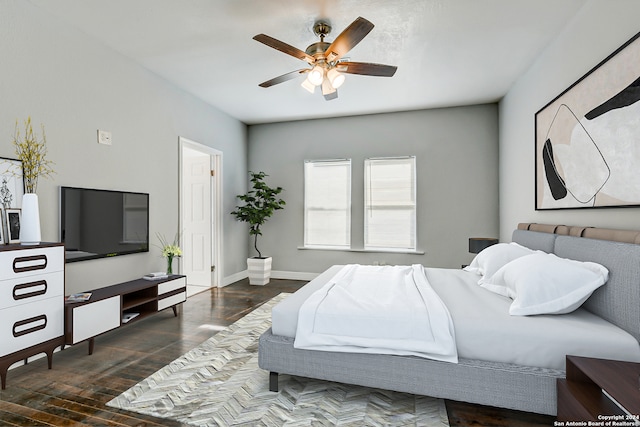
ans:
(390, 203)
(327, 204)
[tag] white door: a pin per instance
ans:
(200, 215)
(197, 223)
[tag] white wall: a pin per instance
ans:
(456, 151)
(75, 86)
(598, 30)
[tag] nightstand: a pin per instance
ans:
(592, 388)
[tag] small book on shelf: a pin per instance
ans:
(126, 317)
(82, 296)
(155, 276)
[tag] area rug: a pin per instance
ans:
(219, 383)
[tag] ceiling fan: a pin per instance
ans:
(326, 59)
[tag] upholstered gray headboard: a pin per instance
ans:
(535, 240)
(618, 301)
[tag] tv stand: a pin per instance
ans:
(118, 305)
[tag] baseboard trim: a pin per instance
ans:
(275, 274)
(234, 278)
(293, 275)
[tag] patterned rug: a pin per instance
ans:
(219, 383)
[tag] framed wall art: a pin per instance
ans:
(2, 233)
(587, 142)
(11, 183)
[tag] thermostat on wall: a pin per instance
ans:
(104, 137)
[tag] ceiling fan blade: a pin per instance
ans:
(351, 36)
(368, 69)
(285, 48)
(283, 78)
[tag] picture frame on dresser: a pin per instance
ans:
(12, 225)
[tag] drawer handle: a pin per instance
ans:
(36, 288)
(40, 322)
(29, 263)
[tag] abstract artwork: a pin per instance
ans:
(11, 183)
(588, 138)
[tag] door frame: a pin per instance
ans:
(215, 157)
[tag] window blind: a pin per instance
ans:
(390, 203)
(327, 203)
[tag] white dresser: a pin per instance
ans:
(31, 302)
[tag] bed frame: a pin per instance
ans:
(504, 385)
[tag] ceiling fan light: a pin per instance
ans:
(308, 85)
(316, 75)
(335, 77)
(327, 88)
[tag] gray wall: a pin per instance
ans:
(457, 174)
(598, 30)
(74, 86)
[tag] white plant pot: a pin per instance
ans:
(259, 270)
(30, 220)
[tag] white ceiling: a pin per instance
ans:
(448, 52)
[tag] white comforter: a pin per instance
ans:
(378, 309)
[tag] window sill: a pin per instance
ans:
(386, 251)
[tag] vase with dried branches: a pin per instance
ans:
(32, 151)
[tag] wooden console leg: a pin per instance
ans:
(175, 311)
(50, 358)
(91, 341)
(3, 376)
(273, 381)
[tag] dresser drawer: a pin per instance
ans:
(172, 285)
(25, 326)
(25, 290)
(29, 262)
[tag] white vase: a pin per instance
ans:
(30, 220)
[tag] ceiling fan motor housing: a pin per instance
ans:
(317, 49)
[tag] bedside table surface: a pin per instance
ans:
(620, 379)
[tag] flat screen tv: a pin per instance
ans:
(103, 223)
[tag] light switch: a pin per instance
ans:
(104, 137)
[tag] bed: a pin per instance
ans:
(517, 366)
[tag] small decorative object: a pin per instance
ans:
(170, 250)
(82, 296)
(260, 203)
(12, 219)
(32, 152)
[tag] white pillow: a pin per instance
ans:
(545, 284)
(491, 259)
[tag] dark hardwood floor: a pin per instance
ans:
(75, 391)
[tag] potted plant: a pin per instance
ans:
(259, 204)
